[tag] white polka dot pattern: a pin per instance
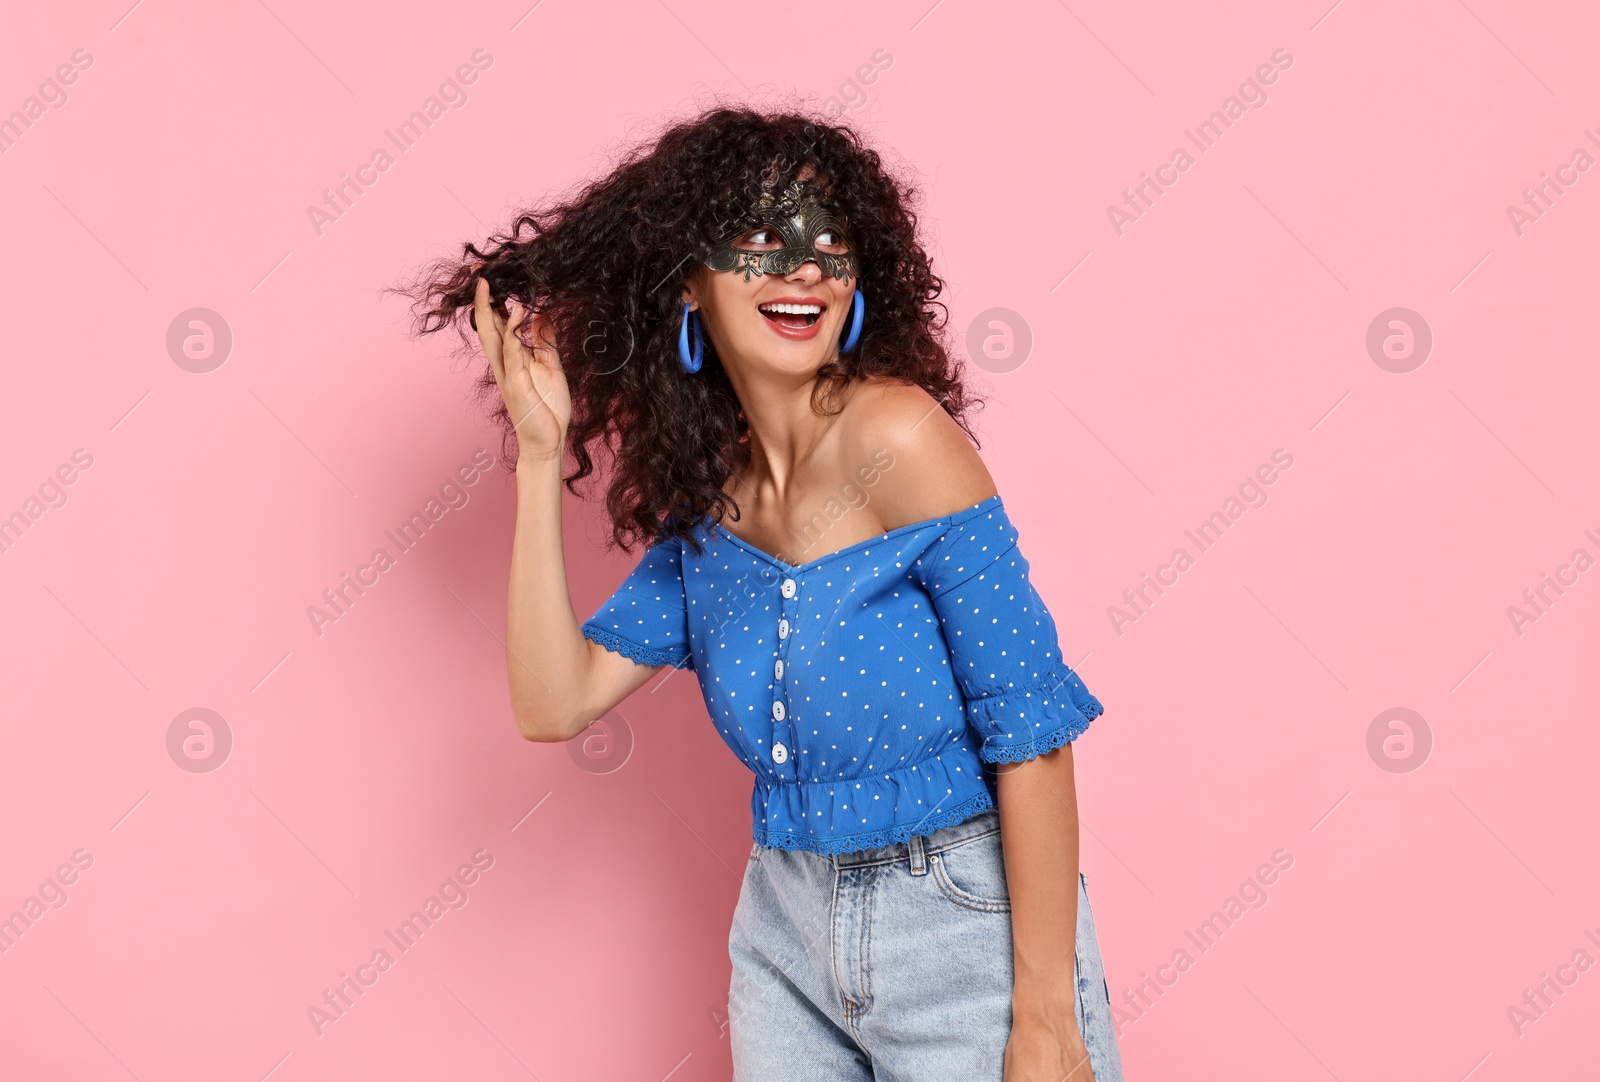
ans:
(905, 662)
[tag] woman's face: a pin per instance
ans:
(782, 323)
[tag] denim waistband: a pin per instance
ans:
(981, 825)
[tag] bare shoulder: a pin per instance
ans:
(926, 465)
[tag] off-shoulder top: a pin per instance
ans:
(868, 688)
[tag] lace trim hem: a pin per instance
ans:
(1075, 720)
(1017, 753)
(873, 839)
(644, 655)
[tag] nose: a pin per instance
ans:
(807, 273)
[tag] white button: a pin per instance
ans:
(783, 629)
(788, 587)
(778, 711)
(780, 754)
(777, 669)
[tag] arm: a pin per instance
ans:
(1025, 705)
(1039, 833)
(560, 681)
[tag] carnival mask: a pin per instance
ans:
(800, 221)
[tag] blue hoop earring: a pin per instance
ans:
(690, 359)
(858, 313)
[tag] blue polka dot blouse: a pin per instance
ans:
(867, 688)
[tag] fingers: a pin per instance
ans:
(522, 372)
(541, 352)
(484, 315)
(519, 315)
(537, 369)
(541, 335)
(489, 328)
(514, 355)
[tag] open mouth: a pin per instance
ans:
(794, 317)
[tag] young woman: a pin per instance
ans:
(740, 322)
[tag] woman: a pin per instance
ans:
(740, 321)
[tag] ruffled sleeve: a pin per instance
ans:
(647, 618)
(1022, 698)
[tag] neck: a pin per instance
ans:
(784, 429)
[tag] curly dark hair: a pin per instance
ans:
(607, 266)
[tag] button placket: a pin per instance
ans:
(789, 589)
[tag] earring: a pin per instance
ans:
(690, 359)
(858, 313)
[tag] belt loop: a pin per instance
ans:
(919, 863)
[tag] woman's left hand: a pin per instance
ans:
(1040, 1052)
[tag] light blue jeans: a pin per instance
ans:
(890, 964)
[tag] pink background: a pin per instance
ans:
(1167, 364)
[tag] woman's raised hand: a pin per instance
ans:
(531, 381)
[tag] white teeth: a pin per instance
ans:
(793, 309)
